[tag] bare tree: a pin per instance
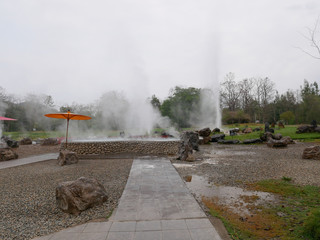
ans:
(230, 93)
(313, 38)
(246, 95)
(264, 94)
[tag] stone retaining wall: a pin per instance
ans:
(124, 147)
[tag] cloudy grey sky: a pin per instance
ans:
(75, 50)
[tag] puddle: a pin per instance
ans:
(235, 198)
(183, 165)
(205, 161)
(229, 152)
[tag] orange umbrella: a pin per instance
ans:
(68, 116)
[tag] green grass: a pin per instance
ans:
(294, 216)
(289, 130)
(297, 204)
(33, 134)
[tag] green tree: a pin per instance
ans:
(155, 102)
(179, 106)
(309, 107)
(288, 117)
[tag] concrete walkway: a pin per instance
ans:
(155, 205)
(23, 161)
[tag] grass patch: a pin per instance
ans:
(33, 134)
(295, 216)
(289, 130)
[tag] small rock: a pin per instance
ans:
(67, 157)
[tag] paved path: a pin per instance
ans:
(155, 205)
(23, 161)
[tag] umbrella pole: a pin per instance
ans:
(67, 133)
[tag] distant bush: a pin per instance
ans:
(288, 117)
(230, 117)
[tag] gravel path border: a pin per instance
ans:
(27, 205)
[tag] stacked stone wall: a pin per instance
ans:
(124, 147)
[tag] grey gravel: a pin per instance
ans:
(28, 206)
(236, 165)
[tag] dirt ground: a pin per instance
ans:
(35, 149)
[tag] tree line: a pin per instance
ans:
(257, 100)
(247, 100)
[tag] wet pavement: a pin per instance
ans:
(28, 160)
(155, 204)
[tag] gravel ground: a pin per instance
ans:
(234, 165)
(27, 204)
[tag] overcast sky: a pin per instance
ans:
(75, 50)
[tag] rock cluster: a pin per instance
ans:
(25, 141)
(10, 142)
(169, 147)
(276, 140)
(308, 129)
(49, 141)
(76, 196)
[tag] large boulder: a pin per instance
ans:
(312, 152)
(205, 132)
(25, 141)
(229, 141)
(277, 143)
(216, 130)
(67, 157)
(76, 196)
(251, 141)
(7, 154)
(217, 137)
(189, 142)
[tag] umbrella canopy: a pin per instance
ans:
(7, 119)
(69, 116)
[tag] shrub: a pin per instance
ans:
(312, 225)
(231, 117)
